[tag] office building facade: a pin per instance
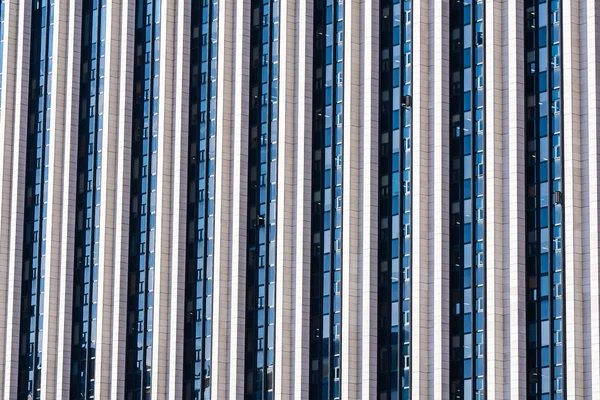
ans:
(322, 199)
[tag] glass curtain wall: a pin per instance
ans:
(201, 201)
(545, 276)
(140, 301)
(395, 201)
(262, 200)
(87, 219)
(36, 199)
(467, 200)
(326, 257)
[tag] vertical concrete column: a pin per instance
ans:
(175, 266)
(494, 210)
(231, 199)
(421, 259)
(369, 238)
(352, 203)
(572, 241)
(293, 210)
(62, 191)
(13, 148)
(303, 99)
(514, 198)
(588, 122)
(169, 287)
(439, 201)
(591, 11)
(286, 201)
(115, 199)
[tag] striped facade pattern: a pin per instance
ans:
(161, 121)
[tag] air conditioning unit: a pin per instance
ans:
(407, 101)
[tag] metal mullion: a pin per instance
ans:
(402, 198)
(473, 199)
(333, 213)
(461, 195)
(267, 218)
(538, 269)
(205, 204)
(150, 139)
(563, 213)
(484, 201)
(550, 183)
(401, 157)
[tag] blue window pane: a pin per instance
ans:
(467, 167)
(327, 241)
(544, 224)
(142, 222)
(36, 198)
(87, 222)
(197, 359)
(395, 200)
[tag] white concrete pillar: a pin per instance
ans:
(514, 200)
(115, 199)
(62, 196)
(229, 302)
(13, 146)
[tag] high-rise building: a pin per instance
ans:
(321, 199)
